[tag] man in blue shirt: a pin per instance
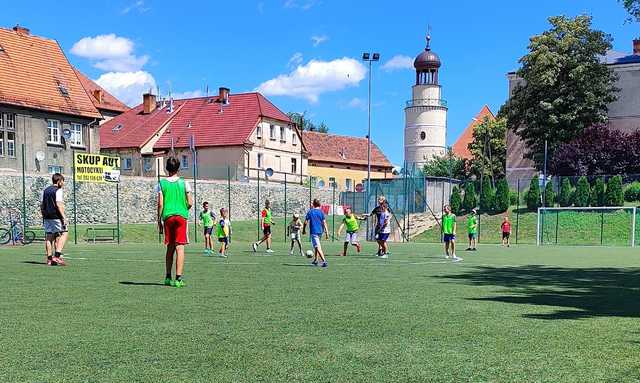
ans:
(317, 225)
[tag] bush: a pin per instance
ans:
(549, 195)
(582, 195)
(598, 195)
(502, 199)
(470, 199)
(632, 193)
(533, 194)
(455, 200)
(564, 199)
(513, 197)
(615, 197)
(487, 196)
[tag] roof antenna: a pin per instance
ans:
(428, 38)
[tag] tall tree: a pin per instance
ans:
(633, 7)
(307, 124)
(502, 196)
(489, 148)
(598, 193)
(470, 200)
(455, 200)
(487, 196)
(447, 166)
(615, 196)
(549, 195)
(564, 199)
(565, 85)
(582, 195)
(533, 194)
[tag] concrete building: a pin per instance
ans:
(343, 160)
(44, 105)
(624, 113)
(426, 113)
(243, 134)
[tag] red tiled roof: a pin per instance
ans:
(200, 117)
(461, 147)
(109, 102)
(34, 70)
(342, 149)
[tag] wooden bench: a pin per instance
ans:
(101, 234)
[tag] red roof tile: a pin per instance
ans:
(34, 73)
(342, 149)
(211, 123)
(461, 147)
(109, 102)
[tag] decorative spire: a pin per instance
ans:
(428, 48)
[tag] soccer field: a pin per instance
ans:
(522, 314)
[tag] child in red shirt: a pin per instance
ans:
(506, 231)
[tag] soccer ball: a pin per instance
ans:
(309, 253)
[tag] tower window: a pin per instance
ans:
(423, 136)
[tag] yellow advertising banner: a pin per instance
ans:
(96, 168)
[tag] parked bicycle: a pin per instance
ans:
(16, 234)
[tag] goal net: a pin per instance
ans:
(586, 226)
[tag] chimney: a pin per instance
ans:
(21, 30)
(223, 96)
(148, 103)
(97, 93)
(636, 47)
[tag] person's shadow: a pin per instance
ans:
(129, 283)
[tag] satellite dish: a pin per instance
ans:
(40, 155)
(268, 172)
(66, 133)
(321, 184)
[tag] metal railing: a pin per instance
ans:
(427, 102)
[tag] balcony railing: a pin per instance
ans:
(427, 102)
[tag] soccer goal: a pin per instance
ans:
(586, 226)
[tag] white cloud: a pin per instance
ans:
(319, 39)
(138, 6)
(260, 7)
(398, 62)
(356, 103)
(309, 81)
(109, 53)
(128, 87)
(295, 60)
(304, 5)
(188, 94)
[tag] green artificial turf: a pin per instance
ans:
(522, 314)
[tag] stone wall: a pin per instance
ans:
(96, 203)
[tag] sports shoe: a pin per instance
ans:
(269, 251)
(456, 259)
(291, 252)
(50, 262)
(384, 256)
(254, 246)
(58, 261)
(324, 264)
(179, 283)
(447, 256)
(314, 263)
(222, 255)
(168, 282)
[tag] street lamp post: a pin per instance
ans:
(369, 58)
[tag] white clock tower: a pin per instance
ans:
(426, 113)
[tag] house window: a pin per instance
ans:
(53, 130)
(11, 144)
(283, 134)
(184, 162)
(127, 164)
(147, 165)
(55, 169)
(259, 160)
(259, 132)
(294, 138)
(9, 121)
(423, 136)
(332, 181)
(272, 132)
(294, 165)
(1, 142)
(76, 134)
(348, 184)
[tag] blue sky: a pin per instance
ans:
(309, 49)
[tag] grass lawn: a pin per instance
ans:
(522, 314)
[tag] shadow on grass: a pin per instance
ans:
(577, 292)
(34, 263)
(128, 283)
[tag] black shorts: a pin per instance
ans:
(224, 240)
(506, 235)
(266, 230)
(208, 230)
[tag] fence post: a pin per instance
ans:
(258, 203)
(285, 207)
(333, 211)
(118, 209)
(158, 174)
(557, 211)
(24, 193)
(75, 209)
(601, 227)
(229, 196)
(195, 195)
(517, 210)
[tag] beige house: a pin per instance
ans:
(241, 135)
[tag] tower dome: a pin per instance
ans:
(428, 59)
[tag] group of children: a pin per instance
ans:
(449, 227)
(222, 230)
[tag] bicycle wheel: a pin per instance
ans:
(28, 237)
(5, 236)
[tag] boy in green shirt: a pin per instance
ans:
(223, 232)
(350, 221)
(472, 229)
(207, 217)
(449, 231)
(174, 203)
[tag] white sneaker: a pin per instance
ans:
(457, 259)
(269, 251)
(291, 252)
(254, 246)
(222, 255)
(384, 256)
(447, 256)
